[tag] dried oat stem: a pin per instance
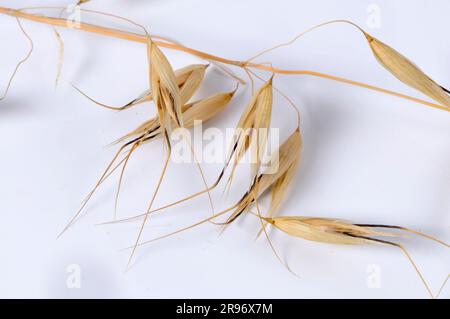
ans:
(16, 69)
(119, 34)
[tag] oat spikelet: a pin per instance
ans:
(165, 91)
(280, 187)
(261, 125)
(202, 110)
(325, 230)
(406, 71)
(205, 109)
(167, 99)
(334, 231)
(188, 79)
(257, 114)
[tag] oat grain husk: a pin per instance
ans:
(406, 71)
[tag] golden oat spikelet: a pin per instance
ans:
(202, 110)
(257, 115)
(406, 71)
(325, 230)
(165, 91)
(261, 125)
(205, 109)
(188, 80)
(334, 231)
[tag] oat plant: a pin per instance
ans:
(171, 92)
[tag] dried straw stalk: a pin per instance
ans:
(119, 34)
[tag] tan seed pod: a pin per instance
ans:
(325, 230)
(256, 116)
(188, 79)
(261, 125)
(165, 91)
(205, 109)
(406, 71)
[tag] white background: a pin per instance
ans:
(368, 157)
